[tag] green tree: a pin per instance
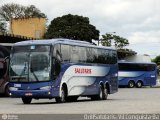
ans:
(9, 11)
(32, 11)
(156, 60)
(72, 27)
(120, 42)
(106, 39)
(117, 41)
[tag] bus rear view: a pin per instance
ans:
(137, 74)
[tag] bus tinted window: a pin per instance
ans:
(107, 59)
(82, 55)
(101, 56)
(77, 54)
(136, 67)
(114, 57)
(95, 55)
(107, 56)
(89, 54)
(65, 51)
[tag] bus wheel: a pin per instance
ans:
(7, 91)
(131, 84)
(26, 100)
(139, 84)
(63, 96)
(101, 93)
(105, 94)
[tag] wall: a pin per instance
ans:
(29, 27)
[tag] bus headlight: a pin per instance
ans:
(45, 88)
(153, 76)
(13, 88)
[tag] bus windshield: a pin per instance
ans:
(30, 63)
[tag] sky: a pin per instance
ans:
(136, 20)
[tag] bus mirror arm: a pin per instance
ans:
(6, 58)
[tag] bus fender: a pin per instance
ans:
(101, 84)
(4, 88)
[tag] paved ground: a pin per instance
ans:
(143, 100)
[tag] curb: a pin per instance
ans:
(157, 86)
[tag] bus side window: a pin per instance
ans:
(89, 55)
(95, 55)
(75, 54)
(65, 51)
(82, 55)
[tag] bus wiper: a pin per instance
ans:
(32, 71)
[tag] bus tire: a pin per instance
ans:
(139, 84)
(26, 100)
(100, 96)
(63, 97)
(101, 93)
(105, 94)
(131, 84)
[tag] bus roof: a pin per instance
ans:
(59, 40)
(136, 62)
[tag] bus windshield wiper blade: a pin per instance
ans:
(31, 69)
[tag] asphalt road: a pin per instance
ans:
(143, 100)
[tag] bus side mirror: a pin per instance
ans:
(56, 67)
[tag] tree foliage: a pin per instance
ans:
(3, 26)
(72, 27)
(117, 41)
(9, 11)
(106, 39)
(156, 60)
(32, 11)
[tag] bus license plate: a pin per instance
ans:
(28, 94)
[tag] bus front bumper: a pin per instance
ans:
(33, 93)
